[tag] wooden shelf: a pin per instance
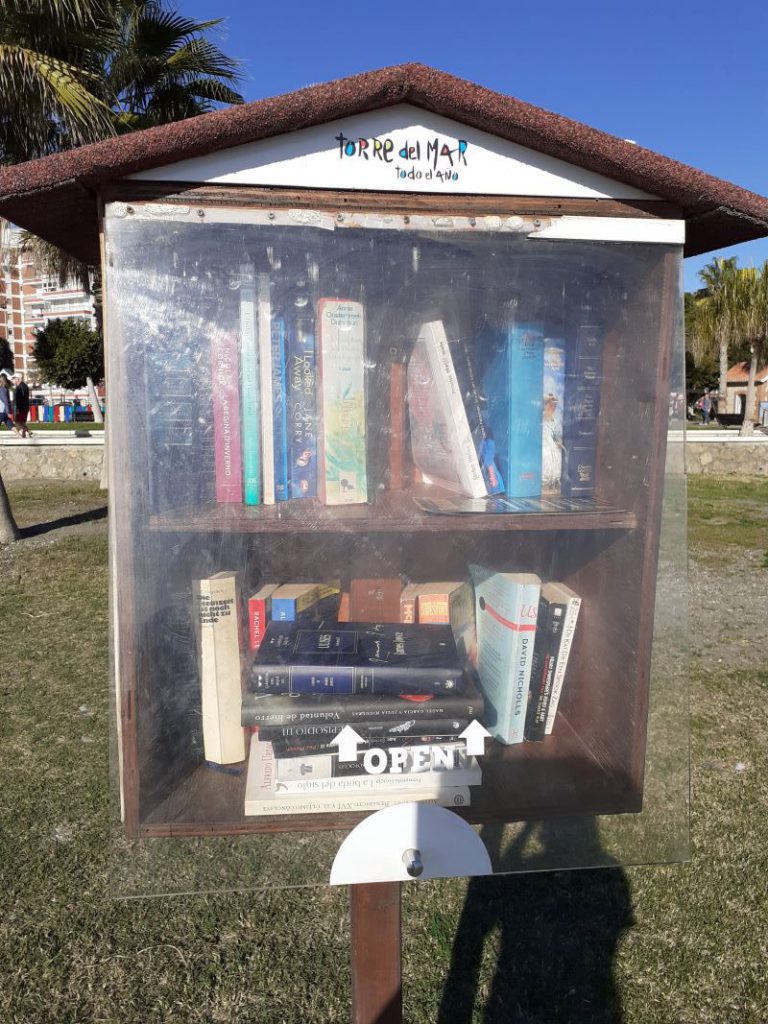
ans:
(393, 512)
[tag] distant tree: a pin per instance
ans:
(68, 352)
(720, 278)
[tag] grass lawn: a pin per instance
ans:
(684, 944)
(35, 427)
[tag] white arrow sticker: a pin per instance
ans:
(475, 734)
(347, 741)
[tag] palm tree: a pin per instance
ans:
(719, 278)
(751, 310)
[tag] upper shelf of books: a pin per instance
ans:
(403, 374)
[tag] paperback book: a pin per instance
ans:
(301, 384)
(226, 416)
(250, 413)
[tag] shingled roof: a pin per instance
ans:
(56, 197)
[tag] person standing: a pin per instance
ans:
(706, 408)
(20, 405)
(5, 403)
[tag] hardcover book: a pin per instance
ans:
(302, 408)
(413, 731)
(250, 412)
(226, 416)
(442, 445)
(342, 474)
(358, 658)
(506, 609)
(513, 385)
(264, 798)
(218, 631)
(581, 412)
(375, 600)
(560, 592)
(259, 614)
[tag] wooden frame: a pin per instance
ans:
(587, 767)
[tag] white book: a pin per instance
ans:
(560, 592)
(218, 629)
(262, 799)
(264, 326)
(441, 439)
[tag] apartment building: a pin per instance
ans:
(29, 298)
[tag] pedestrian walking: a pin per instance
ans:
(20, 405)
(5, 403)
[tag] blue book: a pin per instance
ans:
(583, 371)
(357, 658)
(513, 386)
(250, 411)
(302, 408)
(279, 409)
(476, 408)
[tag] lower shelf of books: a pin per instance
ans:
(555, 778)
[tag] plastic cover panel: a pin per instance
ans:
(400, 478)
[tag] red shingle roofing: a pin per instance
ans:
(739, 374)
(57, 196)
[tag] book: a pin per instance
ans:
(553, 398)
(299, 746)
(506, 609)
(263, 799)
(279, 409)
(370, 729)
(226, 416)
(314, 709)
(513, 385)
(218, 631)
(292, 600)
(250, 413)
(408, 597)
(442, 446)
(581, 411)
(549, 629)
(356, 658)
(375, 600)
(560, 592)
(377, 769)
(342, 463)
(301, 384)
(264, 327)
(396, 425)
(476, 407)
(452, 603)
(259, 614)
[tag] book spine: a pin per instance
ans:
(249, 390)
(352, 803)
(413, 758)
(258, 617)
(344, 679)
(279, 410)
(396, 425)
(372, 730)
(302, 748)
(291, 609)
(264, 312)
(476, 410)
(548, 635)
(552, 416)
(281, 710)
(445, 381)
(434, 609)
(581, 412)
(226, 417)
(524, 659)
(525, 378)
(342, 461)
(302, 409)
(408, 605)
(432, 781)
(220, 674)
(566, 642)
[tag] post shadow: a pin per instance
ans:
(557, 931)
(38, 529)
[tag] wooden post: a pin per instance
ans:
(377, 993)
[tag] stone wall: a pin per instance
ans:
(727, 458)
(51, 462)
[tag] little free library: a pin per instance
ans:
(397, 507)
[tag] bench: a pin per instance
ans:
(730, 419)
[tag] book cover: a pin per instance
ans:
(218, 630)
(513, 385)
(406, 767)
(279, 409)
(375, 600)
(442, 446)
(250, 412)
(322, 709)
(259, 614)
(552, 416)
(358, 658)
(560, 592)
(263, 798)
(342, 472)
(264, 328)
(226, 416)
(506, 609)
(476, 406)
(290, 600)
(545, 652)
(302, 408)
(581, 411)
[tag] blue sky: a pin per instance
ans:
(685, 79)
